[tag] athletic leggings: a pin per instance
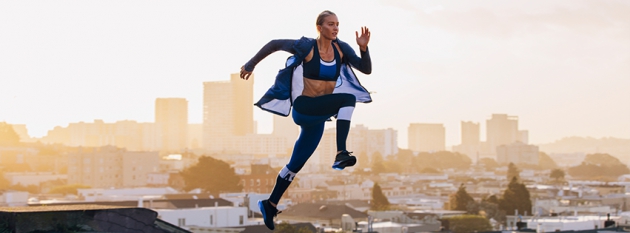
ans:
(311, 113)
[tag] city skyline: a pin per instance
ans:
(561, 66)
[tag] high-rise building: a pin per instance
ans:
(470, 133)
(195, 135)
(171, 116)
(383, 141)
(471, 145)
(228, 111)
(523, 136)
(426, 137)
(501, 129)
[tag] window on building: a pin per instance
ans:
(258, 182)
(241, 220)
(211, 220)
(181, 222)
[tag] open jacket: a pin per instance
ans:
(289, 81)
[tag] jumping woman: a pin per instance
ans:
(319, 83)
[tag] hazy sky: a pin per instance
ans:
(562, 67)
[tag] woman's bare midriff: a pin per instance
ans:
(315, 88)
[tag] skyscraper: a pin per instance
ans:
(171, 116)
(227, 111)
(470, 133)
(501, 129)
(471, 144)
(426, 137)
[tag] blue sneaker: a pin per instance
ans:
(344, 159)
(268, 212)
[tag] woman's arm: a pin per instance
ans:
(269, 48)
(363, 63)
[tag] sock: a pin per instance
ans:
(343, 128)
(282, 184)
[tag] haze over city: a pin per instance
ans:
(560, 66)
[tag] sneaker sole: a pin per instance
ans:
(340, 165)
(262, 211)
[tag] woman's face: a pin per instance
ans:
(329, 28)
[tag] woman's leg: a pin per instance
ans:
(307, 142)
(340, 104)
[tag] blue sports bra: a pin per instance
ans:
(319, 69)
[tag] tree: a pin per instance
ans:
(599, 167)
(34, 189)
(377, 163)
(8, 136)
(468, 223)
(515, 197)
(442, 160)
(430, 170)
(211, 175)
(513, 172)
(363, 161)
(487, 209)
(492, 199)
(379, 200)
(488, 163)
(557, 175)
(545, 162)
(285, 227)
(404, 158)
(460, 199)
(602, 159)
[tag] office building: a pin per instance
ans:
(228, 111)
(426, 137)
(171, 116)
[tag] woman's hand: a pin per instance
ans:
(364, 39)
(244, 73)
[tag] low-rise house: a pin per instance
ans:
(358, 205)
(13, 198)
(419, 202)
(328, 215)
(219, 216)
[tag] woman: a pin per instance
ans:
(319, 84)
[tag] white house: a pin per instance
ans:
(13, 198)
(219, 216)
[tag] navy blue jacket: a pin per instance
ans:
(289, 81)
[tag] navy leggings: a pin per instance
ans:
(311, 113)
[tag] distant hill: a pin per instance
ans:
(617, 147)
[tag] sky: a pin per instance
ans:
(562, 67)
